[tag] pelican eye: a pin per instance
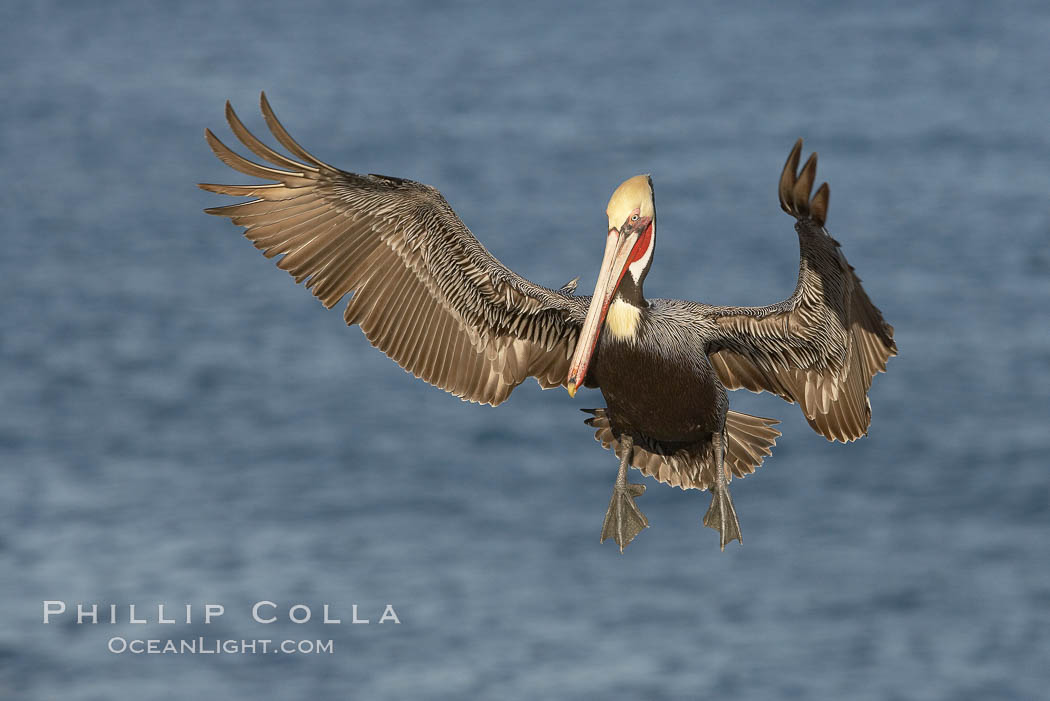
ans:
(634, 218)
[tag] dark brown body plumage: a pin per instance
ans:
(657, 385)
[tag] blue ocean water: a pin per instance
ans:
(180, 424)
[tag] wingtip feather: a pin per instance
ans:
(804, 185)
(818, 206)
(788, 175)
(282, 135)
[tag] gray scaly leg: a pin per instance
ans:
(721, 515)
(623, 520)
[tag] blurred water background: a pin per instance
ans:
(181, 424)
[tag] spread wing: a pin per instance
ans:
(424, 290)
(822, 346)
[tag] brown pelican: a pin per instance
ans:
(430, 296)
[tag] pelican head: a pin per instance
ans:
(629, 245)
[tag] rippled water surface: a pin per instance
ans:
(181, 424)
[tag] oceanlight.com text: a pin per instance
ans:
(216, 646)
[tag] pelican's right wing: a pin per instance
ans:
(822, 346)
(425, 291)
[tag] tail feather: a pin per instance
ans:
(750, 440)
(692, 465)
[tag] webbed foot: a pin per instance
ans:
(624, 520)
(721, 516)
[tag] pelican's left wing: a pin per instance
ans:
(822, 346)
(425, 291)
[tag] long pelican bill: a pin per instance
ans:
(619, 253)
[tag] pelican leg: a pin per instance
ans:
(624, 520)
(721, 515)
